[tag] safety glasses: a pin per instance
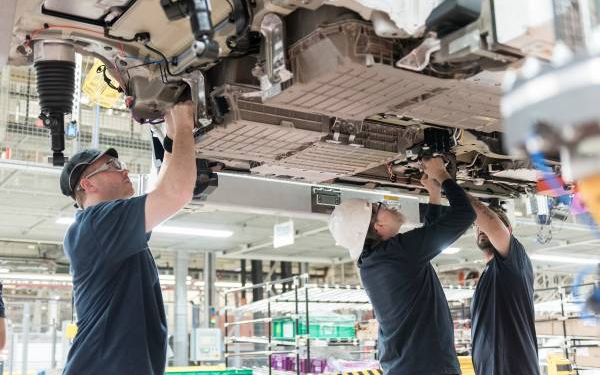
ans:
(114, 165)
(376, 207)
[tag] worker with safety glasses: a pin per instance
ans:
(122, 328)
(416, 333)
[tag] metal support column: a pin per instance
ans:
(257, 276)
(297, 327)
(25, 336)
(96, 128)
(304, 280)
(286, 273)
(210, 277)
(243, 277)
(270, 329)
(37, 314)
(53, 321)
(180, 339)
(563, 299)
(303, 268)
(11, 350)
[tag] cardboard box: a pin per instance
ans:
(587, 357)
(589, 327)
(368, 330)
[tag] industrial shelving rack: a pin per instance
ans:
(559, 305)
(295, 300)
(298, 298)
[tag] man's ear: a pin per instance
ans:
(87, 185)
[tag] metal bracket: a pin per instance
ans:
(200, 52)
(273, 72)
(196, 82)
(419, 58)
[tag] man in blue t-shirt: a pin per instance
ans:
(503, 318)
(416, 333)
(122, 327)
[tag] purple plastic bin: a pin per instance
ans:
(318, 366)
(290, 363)
(278, 362)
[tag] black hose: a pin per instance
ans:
(164, 59)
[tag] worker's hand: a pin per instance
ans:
(182, 118)
(434, 168)
(432, 186)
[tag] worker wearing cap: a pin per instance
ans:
(122, 327)
(416, 333)
(503, 318)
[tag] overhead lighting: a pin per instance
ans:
(185, 231)
(65, 220)
(564, 259)
(451, 250)
(4, 270)
(201, 232)
(37, 277)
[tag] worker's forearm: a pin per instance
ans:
(178, 173)
(486, 218)
(163, 166)
(435, 197)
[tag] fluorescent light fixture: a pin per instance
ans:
(451, 250)
(4, 270)
(185, 231)
(193, 231)
(65, 220)
(37, 277)
(564, 259)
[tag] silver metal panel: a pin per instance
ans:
(344, 70)
(324, 161)
(246, 140)
(244, 193)
(92, 9)
(7, 17)
(357, 92)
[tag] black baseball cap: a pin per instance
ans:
(77, 163)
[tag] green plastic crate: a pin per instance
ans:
(321, 327)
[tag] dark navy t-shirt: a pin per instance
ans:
(416, 333)
(503, 317)
(121, 322)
